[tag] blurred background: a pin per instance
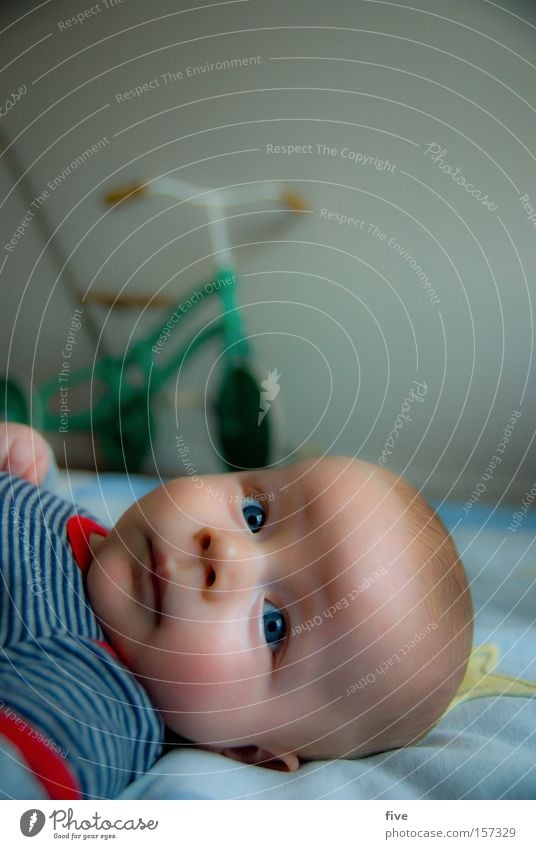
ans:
(397, 305)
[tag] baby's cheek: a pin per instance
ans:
(197, 670)
(189, 681)
(214, 713)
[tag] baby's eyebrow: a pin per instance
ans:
(301, 499)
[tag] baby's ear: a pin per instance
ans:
(256, 756)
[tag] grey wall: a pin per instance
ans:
(349, 321)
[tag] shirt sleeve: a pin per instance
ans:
(86, 708)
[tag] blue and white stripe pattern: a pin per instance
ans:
(86, 705)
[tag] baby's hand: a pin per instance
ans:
(24, 452)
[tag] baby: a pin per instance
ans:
(280, 615)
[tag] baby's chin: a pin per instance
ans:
(96, 542)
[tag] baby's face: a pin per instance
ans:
(249, 604)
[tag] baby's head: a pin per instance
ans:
(314, 611)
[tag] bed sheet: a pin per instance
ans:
(484, 747)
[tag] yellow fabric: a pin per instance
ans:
(479, 679)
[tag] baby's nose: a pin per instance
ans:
(226, 561)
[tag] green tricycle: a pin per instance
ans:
(123, 417)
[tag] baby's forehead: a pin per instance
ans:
(327, 480)
(339, 493)
(347, 515)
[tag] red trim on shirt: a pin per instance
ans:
(108, 648)
(78, 530)
(47, 765)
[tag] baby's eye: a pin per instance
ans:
(274, 624)
(254, 514)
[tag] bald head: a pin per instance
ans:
(428, 620)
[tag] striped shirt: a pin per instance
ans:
(82, 721)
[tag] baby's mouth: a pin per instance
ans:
(156, 581)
